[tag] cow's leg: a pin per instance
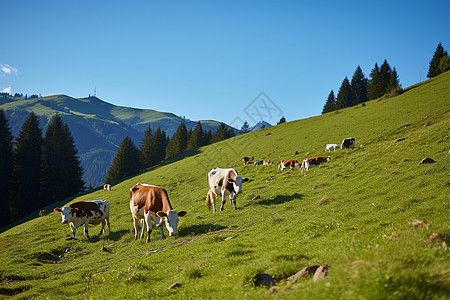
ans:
(213, 199)
(162, 233)
(86, 228)
(109, 225)
(103, 227)
(234, 203)
(223, 200)
(136, 227)
(149, 225)
(73, 229)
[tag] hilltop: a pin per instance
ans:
(97, 126)
(357, 213)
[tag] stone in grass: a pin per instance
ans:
(427, 160)
(321, 272)
(304, 272)
(174, 286)
(263, 279)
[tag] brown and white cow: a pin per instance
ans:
(247, 159)
(313, 162)
(106, 187)
(224, 182)
(149, 202)
(291, 163)
(85, 212)
(264, 162)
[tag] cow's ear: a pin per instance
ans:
(245, 179)
(74, 209)
(182, 213)
(161, 214)
(230, 180)
(57, 209)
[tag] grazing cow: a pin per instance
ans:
(224, 182)
(106, 187)
(313, 162)
(291, 163)
(330, 147)
(85, 212)
(42, 213)
(247, 159)
(151, 202)
(348, 143)
(262, 162)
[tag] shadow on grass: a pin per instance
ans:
(280, 199)
(200, 229)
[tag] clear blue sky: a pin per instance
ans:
(211, 59)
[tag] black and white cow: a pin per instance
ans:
(348, 143)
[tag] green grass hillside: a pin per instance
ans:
(353, 213)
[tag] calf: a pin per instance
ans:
(348, 143)
(85, 212)
(224, 182)
(247, 159)
(330, 147)
(288, 163)
(313, 162)
(151, 202)
(106, 187)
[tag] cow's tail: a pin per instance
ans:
(208, 200)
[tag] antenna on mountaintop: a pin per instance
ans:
(95, 91)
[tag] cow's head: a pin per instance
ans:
(66, 213)
(237, 183)
(171, 220)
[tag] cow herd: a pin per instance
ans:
(151, 203)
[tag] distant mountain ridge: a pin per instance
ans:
(98, 127)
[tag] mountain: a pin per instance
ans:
(97, 126)
(260, 125)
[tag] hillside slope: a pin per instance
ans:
(353, 213)
(98, 127)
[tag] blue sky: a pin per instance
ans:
(214, 59)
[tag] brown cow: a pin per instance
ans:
(151, 202)
(313, 162)
(291, 163)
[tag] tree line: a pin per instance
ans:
(36, 169)
(156, 146)
(382, 82)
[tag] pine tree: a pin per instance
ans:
(330, 104)
(158, 147)
(359, 86)
(375, 86)
(177, 143)
(27, 168)
(207, 137)
(6, 167)
(62, 175)
(345, 97)
(386, 73)
(393, 81)
(126, 161)
(245, 127)
(196, 138)
(220, 134)
(434, 63)
(282, 120)
(146, 149)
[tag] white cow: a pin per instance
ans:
(85, 212)
(224, 182)
(330, 147)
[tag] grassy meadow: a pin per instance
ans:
(353, 213)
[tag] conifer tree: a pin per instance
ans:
(386, 73)
(196, 138)
(434, 70)
(177, 143)
(359, 86)
(6, 166)
(330, 104)
(375, 86)
(393, 81)
(220, 134)
(126, 161)
(62, 175)
(282, 120)
(245, 127)
(207, 137)
(345, 97)
(158, 147)
(27, 168)
(146, 149)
